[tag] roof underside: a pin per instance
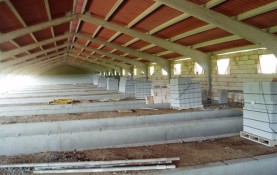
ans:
(85, 43)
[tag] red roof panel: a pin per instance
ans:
(171, 55)
(203, 36)
(180, 27)
(129, 10)
(236, 7)
(107, 49)
(131, 56)
(35, 50)
(101, 7)
(225, 45)
(154, 50)
(8, 21)
(61, 29)
(138, 44)
(43, 34)
(88, 28)
(48, 46)
(122, 39)
(105, 34)
(60, 8)
(21, 54)
(61, 42)
(24, 40)
(262, 21)
(31, 11)
(94, 45)
(81, 41)
(157, 18)
(6, 46)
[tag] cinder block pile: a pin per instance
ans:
(102, 82)
(143, 88)
(112, 84)
(127, 85)
(185, 94)
(160, 94)
(260, 109)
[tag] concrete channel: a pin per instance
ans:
(101, 133)
(265, 165)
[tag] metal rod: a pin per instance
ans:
(112, 169)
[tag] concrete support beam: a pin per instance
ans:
(91, 66)
(164, 63)
(107, 61)
(24, 31)
(50, 66)
(74, 55)
(30, 67)
(27, 57)
(200, 57)
(19, 50)
(29, 63)
(126, 60)
(250, 33)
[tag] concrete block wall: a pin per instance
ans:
(187, 70)
(244, 67)
(157, 78)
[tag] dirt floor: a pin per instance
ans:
(107, 114)
(191, 153)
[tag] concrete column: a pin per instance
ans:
(131, 70)
(146, 72)
(169, 71)
(209, 79)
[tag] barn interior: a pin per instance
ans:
(138, 87)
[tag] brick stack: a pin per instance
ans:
(102, 82)
(260, 110)
(185, 94)
(160, 94)
(127, 85)
(142, 88)
(112, 84)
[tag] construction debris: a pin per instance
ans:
(63, 101)
(110, 99)
(124, 111)
(97, 166)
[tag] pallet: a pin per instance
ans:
(258, 139)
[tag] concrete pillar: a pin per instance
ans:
(146, 72)
(131, 70)
(209, 80)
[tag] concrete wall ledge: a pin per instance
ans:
(259, 165)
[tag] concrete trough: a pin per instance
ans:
(27, 110)
(108, 133)
(23, 129)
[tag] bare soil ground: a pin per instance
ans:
(191, 153)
